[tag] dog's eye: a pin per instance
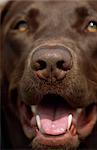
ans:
(92, 26)
(21, 26)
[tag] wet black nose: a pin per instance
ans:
(51, 63)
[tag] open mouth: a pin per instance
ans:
(54, 119)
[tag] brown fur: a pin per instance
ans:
(51, 22)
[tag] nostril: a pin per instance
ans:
(40, 65)
(60, 64)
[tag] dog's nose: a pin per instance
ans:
(51, 63)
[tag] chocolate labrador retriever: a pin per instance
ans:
(49, 74)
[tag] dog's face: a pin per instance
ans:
(50, 51)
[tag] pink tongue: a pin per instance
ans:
(54, 122)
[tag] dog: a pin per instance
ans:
(49, 74)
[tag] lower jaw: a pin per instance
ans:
(41, 141)
(57, 141)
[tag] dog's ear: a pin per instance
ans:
(4, 10)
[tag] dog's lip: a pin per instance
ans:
(81, 124)
(89, 119)
(54, 141)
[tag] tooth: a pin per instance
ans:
(69, 121)
(39, 124)
(38, 121)
(33, 108)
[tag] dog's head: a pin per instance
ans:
(50, 61)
